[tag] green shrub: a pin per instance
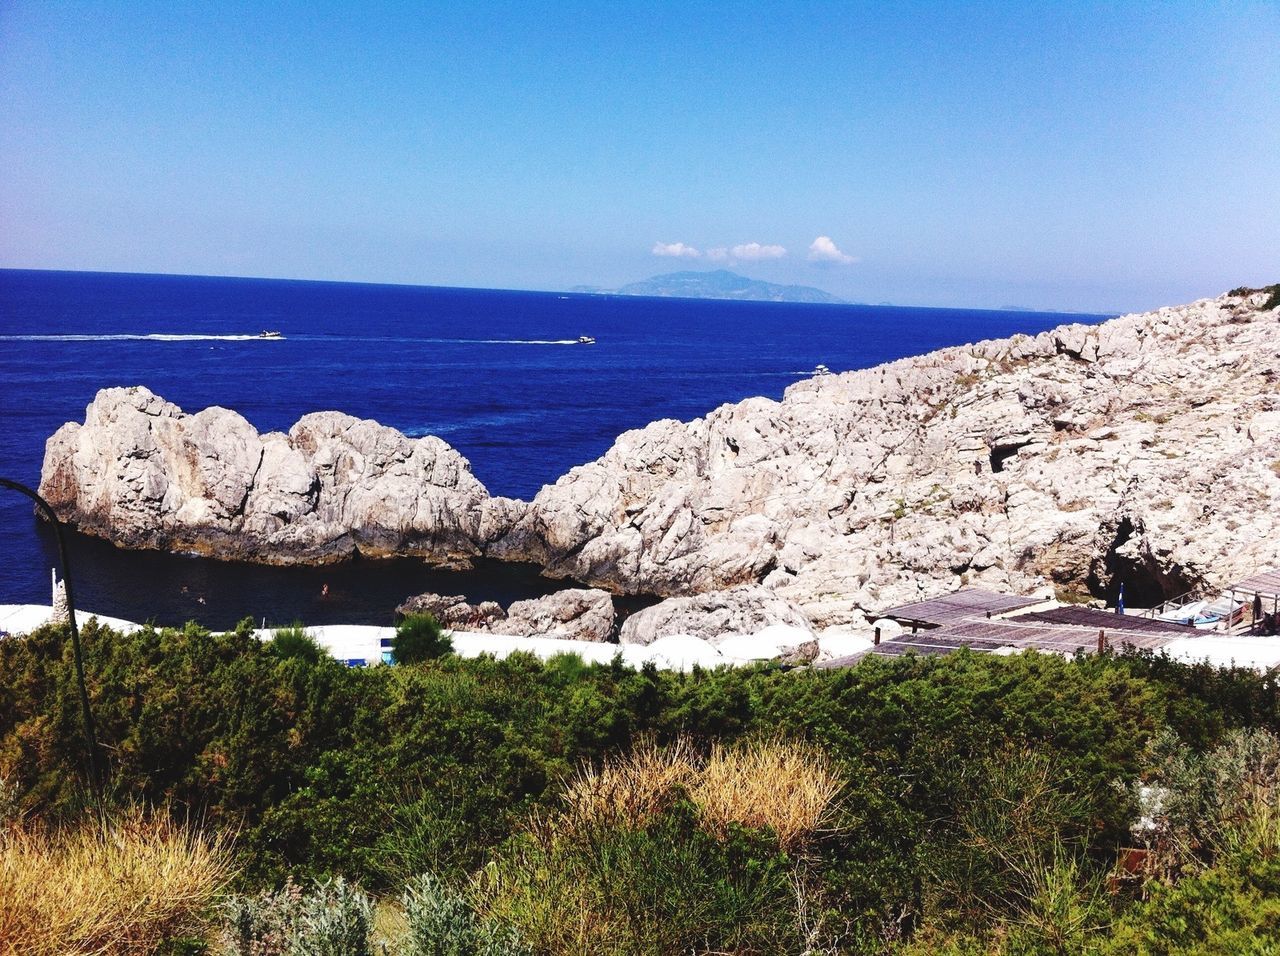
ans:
(261, 924)
(333, 919)
(667, 886)
(1011, 853)
(440, 922)
(294, 642)
(419, 637)
(379, 774)
(1232, 907)
(1197, 807)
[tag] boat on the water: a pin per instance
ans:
(269, 334)
(586, 340)
(820, 370)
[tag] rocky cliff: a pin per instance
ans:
(1145, 449)
(144, 474)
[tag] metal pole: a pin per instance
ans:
(91, 736)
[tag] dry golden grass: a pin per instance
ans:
(630, 789)
(110, 889)
(785, 785)
(606, 874)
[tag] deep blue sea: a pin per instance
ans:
(494, 373)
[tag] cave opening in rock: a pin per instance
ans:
(1002, 453)
(1146, 583)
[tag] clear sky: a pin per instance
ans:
(1048, 154)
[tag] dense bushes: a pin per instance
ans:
(974, 790)
(1210, 826)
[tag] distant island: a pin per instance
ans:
(720, 284)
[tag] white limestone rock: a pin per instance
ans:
(144, 474)
(579, 614)
(717, 616)
(452, 611)
(1145, 448)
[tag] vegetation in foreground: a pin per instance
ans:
(129, 884)
(966, 804)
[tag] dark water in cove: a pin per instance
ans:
(496, 374)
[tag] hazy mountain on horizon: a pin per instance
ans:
(717, 284)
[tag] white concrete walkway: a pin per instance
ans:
(23, 618)
(368, 644)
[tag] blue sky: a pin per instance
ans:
(1058, 155)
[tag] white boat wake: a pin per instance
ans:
(515, 341)
(153, 337)
(200, 337)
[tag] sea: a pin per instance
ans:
(498, 374)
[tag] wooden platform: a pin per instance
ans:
(966, 605)
(1108, 620)
(960, 620)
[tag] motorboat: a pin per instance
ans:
(269, 334)
(586, 340)
(1221, 614)
(1187, 614)
(820, 370)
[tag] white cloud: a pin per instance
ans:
(746, 252)
(753, 250)
(823, 249)
(677, 249)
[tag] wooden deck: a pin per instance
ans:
(960, 620)
(1107, 620)
(969, 604)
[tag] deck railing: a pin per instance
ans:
(1176, 603)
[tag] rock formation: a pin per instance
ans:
(144, 474)
(1145, 449)
(712, 616)
(453, 611)
(580, 614)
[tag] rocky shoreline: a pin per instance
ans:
(1145, 449)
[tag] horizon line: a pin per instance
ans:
(603, 293)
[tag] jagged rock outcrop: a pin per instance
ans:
(453, 611)
(713, 616)
(1145, 449)
(145, 474)
(580, 614)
